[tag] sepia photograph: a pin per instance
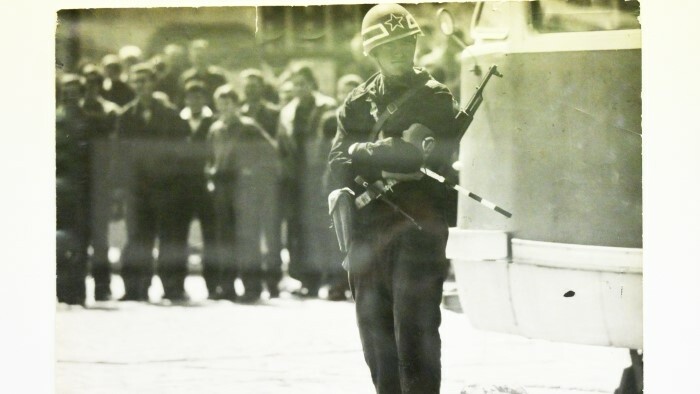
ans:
(266, 198)
(349, 198)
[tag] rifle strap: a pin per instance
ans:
(391, 109)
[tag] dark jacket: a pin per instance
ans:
(119, 92)
(151, 151)
(297, 134)
(196, 151)
(433, 106)
(267, 115)
(240, 148)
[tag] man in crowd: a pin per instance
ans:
(72, 191)
(396, 267)
(304, 206)
(202, 70)
(254, 104)
(243, 169)
(151, 135)
(266, 115)
(175, 62)
(103, 114)
(114, 88)
(336, 277)
(130, 55)
(198, 200)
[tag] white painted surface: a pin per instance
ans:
(476, 244)
(561, 292)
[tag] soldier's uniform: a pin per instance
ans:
(396, 270)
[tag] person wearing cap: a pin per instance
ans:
(243, 171)
(254, 104)
(114, 88)
(104, 115)
(130, 55)
(198, 202)
(266, 115)
(397, 268)
(150, 134)
(175, 62)
(202, 70)
(300, 181)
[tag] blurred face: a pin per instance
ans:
(142, 83)
(301, 87)
(113, 70)
(286, 92)
(226, 106)
(252, 87)
(175, 55)
(195, 101)
(198, 57)
(92, 85)
(395, 58)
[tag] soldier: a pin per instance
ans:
(151, 135)
(302, 171)
(397, 269)
(243, 170)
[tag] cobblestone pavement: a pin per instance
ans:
(288, 345)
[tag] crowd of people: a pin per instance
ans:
(176, 142)
(167, 140)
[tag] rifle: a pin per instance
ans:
(376, 191)
(465, 116)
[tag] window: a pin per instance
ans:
(553, 16)
(492, 19)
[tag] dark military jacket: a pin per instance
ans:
(433, 106)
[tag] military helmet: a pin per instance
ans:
(385, 23)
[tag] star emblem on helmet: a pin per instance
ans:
(394, 21)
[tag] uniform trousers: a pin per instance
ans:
(396, 280)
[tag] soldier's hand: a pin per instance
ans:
(421, 137)
(392, 155)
